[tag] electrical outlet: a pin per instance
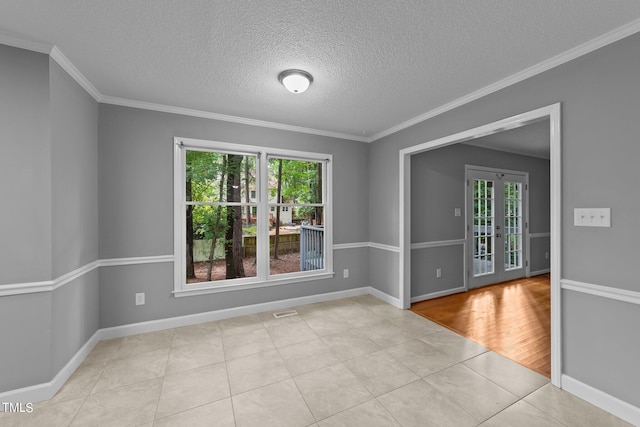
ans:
(345, 273)
(546, 255)
(140, 298)
(457, 212)
(438, 273)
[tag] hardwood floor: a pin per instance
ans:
(511, 318)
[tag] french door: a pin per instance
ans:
(497, 226)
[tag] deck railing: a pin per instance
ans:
(311, 247)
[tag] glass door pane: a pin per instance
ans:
(483, 220)
(513, 226)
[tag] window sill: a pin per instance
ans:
(251, 284)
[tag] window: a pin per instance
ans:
(249, 216)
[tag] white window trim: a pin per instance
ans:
(179, 218)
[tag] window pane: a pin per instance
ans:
(212, 233)
(513, 226)
(295, 181)
(298, 247)
(219, 177)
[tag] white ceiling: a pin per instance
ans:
(376, 64)
(529, 140)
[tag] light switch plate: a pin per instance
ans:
(592, 217)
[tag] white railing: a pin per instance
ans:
(311, 247)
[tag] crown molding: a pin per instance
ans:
(569, 55)
(57, 55)
(25, 44)
(227, 118)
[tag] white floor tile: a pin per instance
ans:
(356, 362)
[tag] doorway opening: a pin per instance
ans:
(551, 113)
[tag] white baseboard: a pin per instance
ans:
(46, 391)
(31, 394)
(385, 297)
(210, 316)
(437, 294)
(617, 407)
(192, 319)
(539, 272)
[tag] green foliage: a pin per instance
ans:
(301, 184)
(482, 198)
(205, 172)
(299, 180)
(204, 222)
(251, 230)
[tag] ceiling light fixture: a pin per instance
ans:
(296, 81)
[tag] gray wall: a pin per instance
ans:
(25, 216)
(539, 254)
(601, 351)
(25, 353)
(600, 96)
(74, 213)
(74, 183)
(25, 167)
(383, 194)
(136, 208)
(383, 271)
(437, 188)
(49, 216)
(74, 318)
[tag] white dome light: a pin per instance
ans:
(296, 81)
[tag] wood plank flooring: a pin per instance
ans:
(510, 318)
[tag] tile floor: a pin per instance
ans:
(351, 362)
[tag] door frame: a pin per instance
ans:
(525, 216)
(551, 112)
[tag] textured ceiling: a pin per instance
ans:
(376, 64)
